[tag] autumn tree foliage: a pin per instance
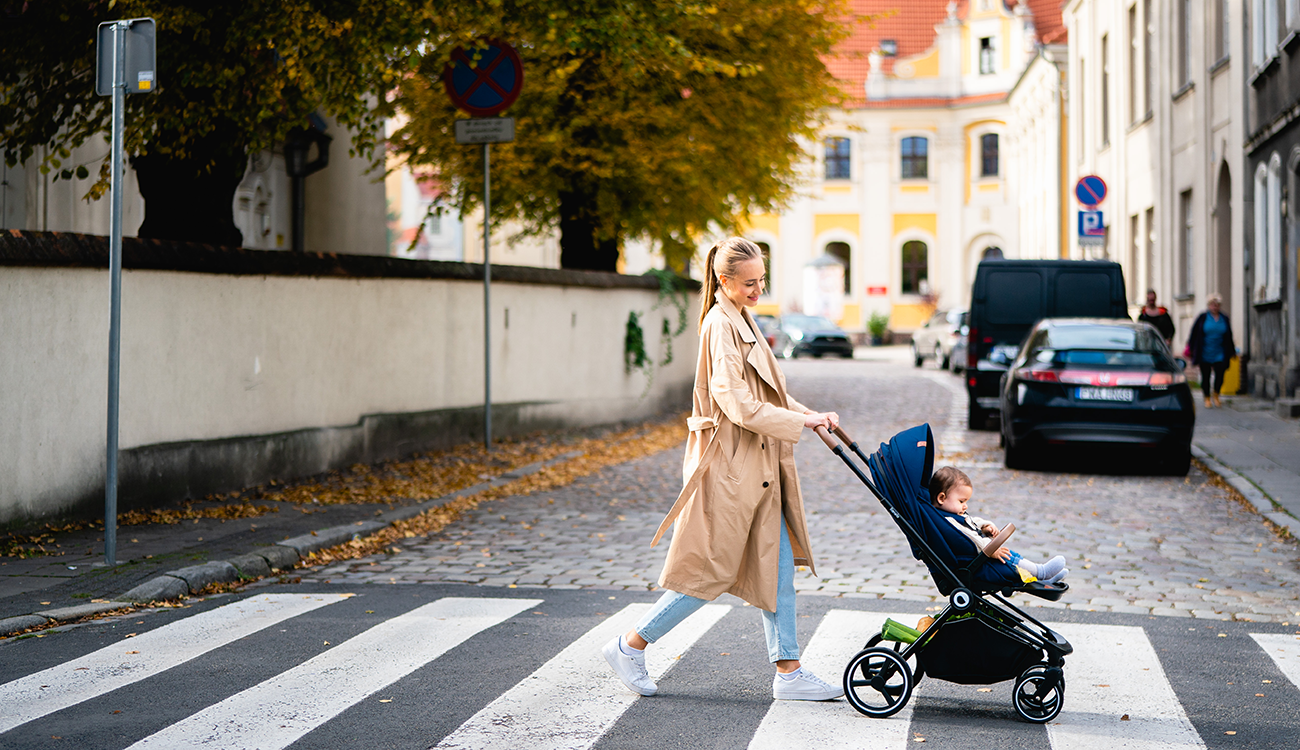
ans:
(655, 119)
(233, 78)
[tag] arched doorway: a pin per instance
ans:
(1223, 239)
(841, 251)
(916, 268)
(992, 253)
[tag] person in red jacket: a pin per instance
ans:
(1158, 317)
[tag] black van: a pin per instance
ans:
(1010, 296)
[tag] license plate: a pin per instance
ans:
(1104, 394)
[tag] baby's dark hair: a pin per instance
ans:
(944, 479)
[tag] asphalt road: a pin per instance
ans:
(1183, 613)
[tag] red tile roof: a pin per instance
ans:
(911, 25)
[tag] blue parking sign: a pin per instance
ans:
(1091, 224)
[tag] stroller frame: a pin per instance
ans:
(878, 681)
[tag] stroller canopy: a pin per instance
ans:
(902, 469)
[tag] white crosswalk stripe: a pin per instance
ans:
(571, 700)
(1114, 672)
(135, 659)
(278, 711)
(834, 724)
(1284, 650)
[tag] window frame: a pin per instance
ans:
(913, 159)
(920, 271)
(842, 161)
(984, 156)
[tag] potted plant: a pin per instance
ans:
(876, 326)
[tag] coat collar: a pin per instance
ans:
(759, 357)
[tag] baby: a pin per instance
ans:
(950, 490)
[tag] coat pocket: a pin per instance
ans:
(739, 463)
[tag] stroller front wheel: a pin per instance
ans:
(1039, 694)
(878, 682)
(917, 670)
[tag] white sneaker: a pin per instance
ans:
(630, 669)
(806, 687)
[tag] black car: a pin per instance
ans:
(1010, 296)
(810, 334)
(1096, 381)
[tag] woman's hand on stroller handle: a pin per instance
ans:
(829, 419)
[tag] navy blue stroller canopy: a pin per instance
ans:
(902, 469)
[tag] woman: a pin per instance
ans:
(1210, 345)
(1158, 317)
(740, 526)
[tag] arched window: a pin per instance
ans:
(767, 264)
(992, 253)
(838, 161)
(840, 251)
(916, 158)
(916, 266)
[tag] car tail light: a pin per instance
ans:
(973, 351)
(771, 339)
(1102, 378)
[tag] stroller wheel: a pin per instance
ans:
(917, 670)
(878, 682)
(1039, 693)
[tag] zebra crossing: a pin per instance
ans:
(569, 701)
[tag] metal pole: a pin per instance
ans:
(115, 294)
(487, 298)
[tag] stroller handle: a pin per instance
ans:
(842, 435)
(826, 437)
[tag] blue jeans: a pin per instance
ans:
(779, 627)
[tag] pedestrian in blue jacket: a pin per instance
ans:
(1210, 346)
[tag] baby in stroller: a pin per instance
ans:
(950, 491)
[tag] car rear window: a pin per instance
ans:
(1108, 358)
(1118, 346)
(1014, 297)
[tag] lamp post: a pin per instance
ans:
(297, 149)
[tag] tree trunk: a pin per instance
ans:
(581, 246)
(192, 199)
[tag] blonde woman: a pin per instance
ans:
(740, 525)
(1210, 347)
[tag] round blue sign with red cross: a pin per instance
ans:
(484, 81)
(1090, 190)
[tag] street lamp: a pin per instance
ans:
(297, 150)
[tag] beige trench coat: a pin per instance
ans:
(740, 480)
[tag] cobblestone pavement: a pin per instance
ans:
(1177, 547)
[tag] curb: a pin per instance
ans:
(260, 562)
(1261, 502)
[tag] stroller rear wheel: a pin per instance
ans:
(878, 682)
(917, 670)
(1039, 693)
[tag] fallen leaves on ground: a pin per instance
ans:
(594, 455)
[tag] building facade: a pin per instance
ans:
(1271, 278)
(911, 184)
(1157, 111)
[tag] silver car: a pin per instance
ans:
(937, 337)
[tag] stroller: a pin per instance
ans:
(979, 638)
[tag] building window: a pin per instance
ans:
(840, 251)
(1148, 57)
(1185, 251)
(889, 47)
(837, 159)
(992, 253)
(1105, 89)
(1134, 248)
(1268, 230)
(1221, 43)
(1133, 114)
(916, 267)
(1184, 41)
(989, 155)
(916, 160)
(1150, 248)
(988, 63)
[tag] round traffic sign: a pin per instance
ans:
(488, 85)
(1090, 190)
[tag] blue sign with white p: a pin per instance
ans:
(1091, 224)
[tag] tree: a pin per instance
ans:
(656, 119)
(233, 78)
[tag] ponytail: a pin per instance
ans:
(734, 251)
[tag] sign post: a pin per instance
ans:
(485, 87)
(124, 64)
(1091, 191)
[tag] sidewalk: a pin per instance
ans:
(1255, 451)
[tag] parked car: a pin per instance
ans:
(770, 327)
(809, 334)
(958, 356)
(1010, 296)
(1099, 381)
(936, 338)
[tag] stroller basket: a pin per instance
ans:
(979, 638)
